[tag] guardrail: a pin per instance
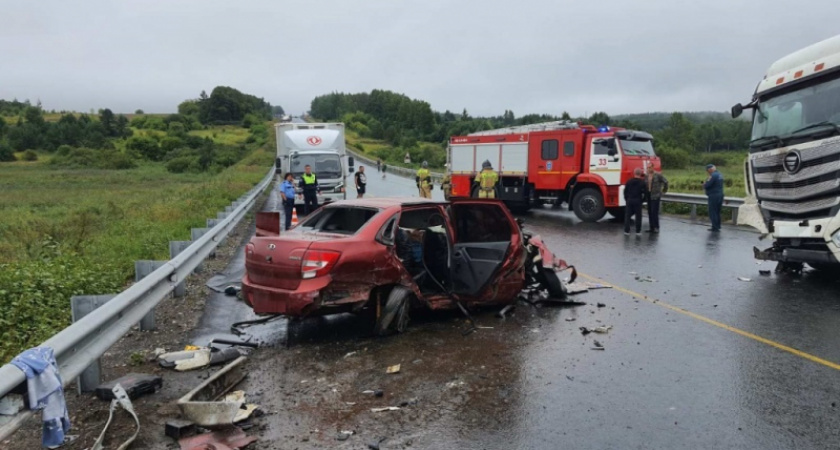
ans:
(695, 199)
(81, 344)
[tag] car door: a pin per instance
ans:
(482, 240)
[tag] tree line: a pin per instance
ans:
(410, 125)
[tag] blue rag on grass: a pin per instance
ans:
(45, 392)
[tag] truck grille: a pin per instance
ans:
(810, 192)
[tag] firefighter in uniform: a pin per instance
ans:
(486, 180)
(424, 181)
(309, 184)
(446, 184)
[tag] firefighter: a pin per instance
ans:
(309, 184)
(446, 184)
(486, 180)
(424, 181)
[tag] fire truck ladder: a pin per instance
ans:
(543, 126)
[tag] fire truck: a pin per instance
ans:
(552, 163)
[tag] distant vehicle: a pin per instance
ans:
(320, 145)
(388, 255)
(286, 118)
(554, 162)
(793, 170)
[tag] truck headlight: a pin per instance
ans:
(836, 238)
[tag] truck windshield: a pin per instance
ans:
(324, 165)
(637, 148)
(803, 113)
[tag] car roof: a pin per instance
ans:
(386, 202)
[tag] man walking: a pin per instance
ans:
(361, 182)
(424, 181)
(657, 185)
(634, 194)
(309, 184)
(378, 164)
(714, 190)
(287, 193)
(487, 180)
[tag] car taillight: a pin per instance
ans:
(249, 249)
(317, 263)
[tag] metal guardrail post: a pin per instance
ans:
(693, 212)
(196, 233)
(82, 305)
(141, 270)
(175, 248)
(735, 216)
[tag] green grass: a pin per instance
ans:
(690, 181)
(227, 135)
(71, 232)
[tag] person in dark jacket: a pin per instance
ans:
(714, 190)
(635, 191)
(309, 184)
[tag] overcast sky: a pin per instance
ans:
(619, 56)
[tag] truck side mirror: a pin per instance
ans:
(737, 110)
(351, 161)
(612, 152)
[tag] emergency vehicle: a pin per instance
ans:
(553, 162)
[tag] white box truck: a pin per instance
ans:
(320, 145)
(793, 170)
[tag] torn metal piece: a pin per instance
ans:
(121, 399)
(202, 404)
(744, 279)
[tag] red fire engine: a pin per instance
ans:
(553, 162)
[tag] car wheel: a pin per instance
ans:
(589, 205)
(394, 317)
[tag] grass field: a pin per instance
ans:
(68, 232)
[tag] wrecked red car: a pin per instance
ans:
(389, 255)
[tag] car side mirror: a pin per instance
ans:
(737, 110)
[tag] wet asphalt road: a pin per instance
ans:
(696, 358)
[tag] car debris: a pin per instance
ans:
(503, 312)
(744, 279)
(764, 272)
(120, 399)
(385, 408)
(205, 405)
(349, 355)
(246, 410)
(597, 345)
(177, 428)
(134, 384)
(344, 435)
(570, 319)
(186, 359)
(584, 331)
(393, 369)
(601, 305)
(232, 290)
(225, 439)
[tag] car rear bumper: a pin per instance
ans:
(296, 303)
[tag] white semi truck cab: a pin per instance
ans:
(793, 170)
(319, 145)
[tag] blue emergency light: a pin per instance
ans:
(603, 128)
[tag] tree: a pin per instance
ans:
(277, 110)
(139, 112)
(565, 116)
(600, 118)
(108, 121)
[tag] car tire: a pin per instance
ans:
(394, 317)
(588, 205)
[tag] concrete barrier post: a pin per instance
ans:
(80, 306)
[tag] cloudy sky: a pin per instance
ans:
(546, 56)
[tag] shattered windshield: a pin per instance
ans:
(802, 113)
(324, 165)
(637, 148)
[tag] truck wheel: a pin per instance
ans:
(589, 205)
(618, 213)
(394, 317)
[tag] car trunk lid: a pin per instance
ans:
(276, 261)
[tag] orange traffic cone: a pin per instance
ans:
(294, 217)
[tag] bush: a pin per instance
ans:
(30, 155)
(6, 152)
(182, 164)
(169, 144)
(673, 158)
(146, 147)
(139, 111)
(107, 159)
(64, 150)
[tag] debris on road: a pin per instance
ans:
(349, 355)
(245, 410)
(744, 279)
(385, 408)
(344, 435)
(645, 279)
(570, 319)
(584, 331)
(186, 359)
(232, 290)
(501, 314)
(764, 272)
(135, 385)
(177, 428)
(393, 369)
(202, 404)
(601, 305)
(226, 439)
(602, 329)
(597, 345)
(224, 356)
(120, 399)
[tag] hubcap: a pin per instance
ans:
(588, 205)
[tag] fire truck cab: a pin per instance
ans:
(553, 162)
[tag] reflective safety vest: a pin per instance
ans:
(423, 177)
(309, 181)
(487, 179)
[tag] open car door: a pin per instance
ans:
(482, 241)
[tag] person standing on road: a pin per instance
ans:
(309, 184)
(714, 190)
(384, 169)
(634, 193)
(424, 181)
(378, 164)
(361, 182)
(287, 193)
(446, 184)
(657, 185)
(487, 180)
